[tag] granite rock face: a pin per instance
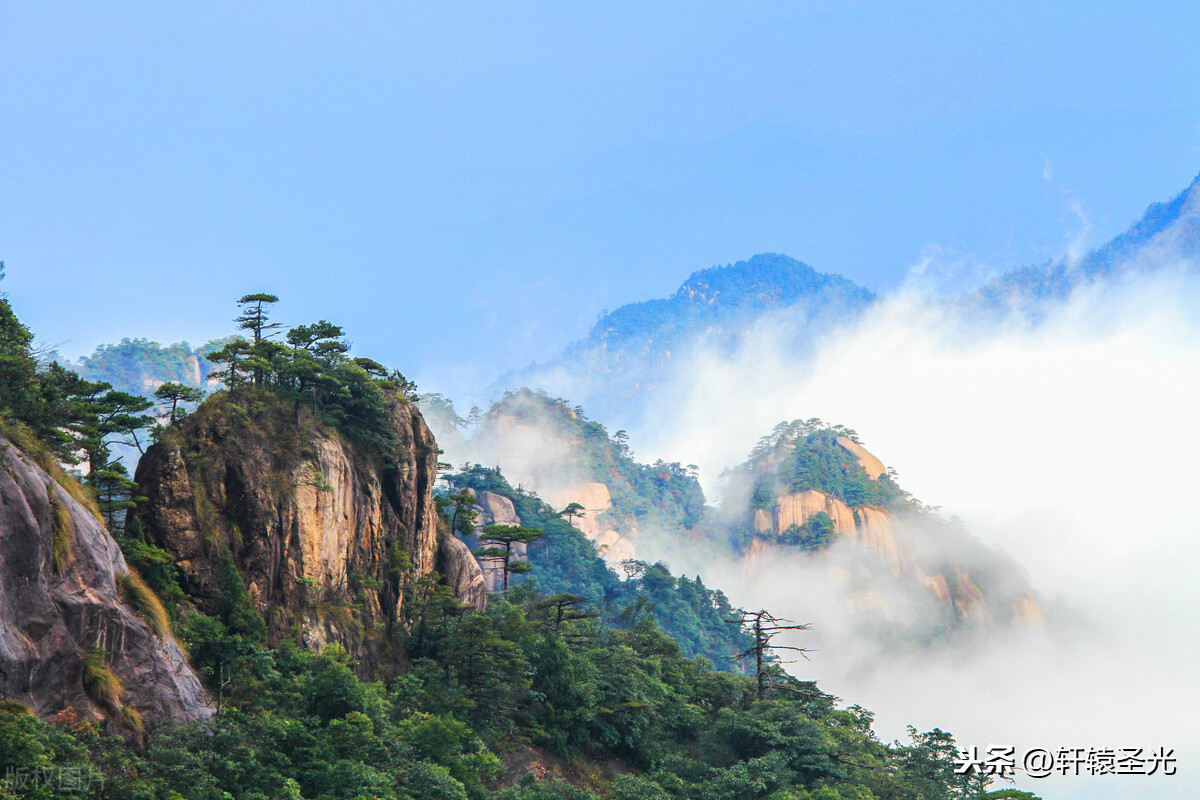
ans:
(494, 509)
(613, 545)
(325, 532)
(60, 606)
(462, 572)
(904, 549)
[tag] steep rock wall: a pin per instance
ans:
(324, 532)
(60, 604)
(875, 529)
(866, 525)
(881, 532)
(462, 572)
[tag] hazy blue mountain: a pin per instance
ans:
(726, 297)
(632, 349)
(636, 348)
(639, 347)
(1167, 231)
(1167, 235)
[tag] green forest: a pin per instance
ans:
(663, 494)
(804, 454)
(573, 683)
(136, 365)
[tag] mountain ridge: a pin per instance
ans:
(765, 280)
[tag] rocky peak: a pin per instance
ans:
(325, 532)
(902, 549)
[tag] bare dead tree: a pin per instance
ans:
(764, 627)
(224, 678)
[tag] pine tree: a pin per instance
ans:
(501, 539)
(254, 315)
(175, 393)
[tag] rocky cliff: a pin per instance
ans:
(67, 637)
(594, 521)
(462, 572)
(866, 525)
(915, 549)
(327, 534)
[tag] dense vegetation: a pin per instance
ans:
(568, 679)
(139, 366)
(620, 714)
(804, 454)
(662, 494)
(564, 561)
(816, 533)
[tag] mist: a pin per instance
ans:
(1063, 436)
(1068, 441)
(531, 449)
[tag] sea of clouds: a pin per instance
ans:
(1068, 438)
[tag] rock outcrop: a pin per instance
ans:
(904, 547)
(61, 612)
(325, 532)
(462, 573)
(614, 546)
(870, 464)
(495, 509)
(866, 525)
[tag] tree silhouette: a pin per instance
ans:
(572, 512)
(764, 627)
(174, 394)
(254, 315)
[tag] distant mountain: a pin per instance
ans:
(812, 488)
(635, 349)
(725, 299)
(631, 350)
(638, 348)
(810, 496)
(139, 366)
(1167, 235)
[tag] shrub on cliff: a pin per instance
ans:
(142, 599)
(100, 682)
(314, 369)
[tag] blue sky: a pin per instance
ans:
(464, 186)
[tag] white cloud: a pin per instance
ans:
(1070, 443)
